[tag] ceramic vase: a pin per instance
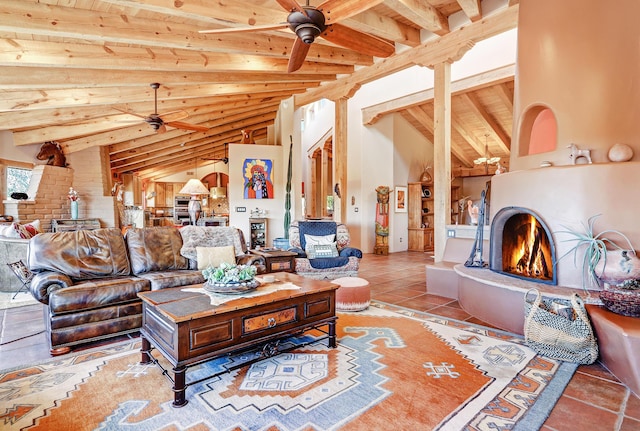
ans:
(619, 266)
(74, 210)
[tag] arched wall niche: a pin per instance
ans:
(538, 131)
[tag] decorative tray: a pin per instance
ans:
(231, 288)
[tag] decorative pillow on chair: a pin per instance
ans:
(322, 250)
(214, 256)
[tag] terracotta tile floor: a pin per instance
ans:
(594, 400)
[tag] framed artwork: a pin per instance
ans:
(258, 178)
(401, 199)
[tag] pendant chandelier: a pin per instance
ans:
(487, 159)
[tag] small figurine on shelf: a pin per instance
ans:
(426, 175)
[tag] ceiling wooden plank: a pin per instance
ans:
(65, 77)
(385, 28)
(422, 14)
(70, 97)
(104, 28)
(55, 116)
(471, 8)
(494, 129)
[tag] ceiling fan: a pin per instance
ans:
(159, 121)
(309, 22)
(224, 160)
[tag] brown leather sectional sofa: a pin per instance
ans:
(90, 279)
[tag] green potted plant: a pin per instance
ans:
(283, 243)
(230, 278)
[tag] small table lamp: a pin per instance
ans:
(194, 188)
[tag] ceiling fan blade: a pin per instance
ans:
(187, 126)
(126, 111)
(291, 5)
(298, 54)
(173, 116)
(358, 41)
(338, 10)
(246, 29)
(161, 129)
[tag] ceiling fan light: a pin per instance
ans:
(308, 32)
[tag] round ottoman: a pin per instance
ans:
(353, 294)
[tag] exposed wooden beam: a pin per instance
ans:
(471, 8)
(493, 127)
(422, 14)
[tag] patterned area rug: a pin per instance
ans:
(392, 369)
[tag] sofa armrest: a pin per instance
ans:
(351, 251)
(43, 283)
(252, 259)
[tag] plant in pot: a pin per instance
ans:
(613, 267)
(284, 242)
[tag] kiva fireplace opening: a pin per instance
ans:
(522, 246)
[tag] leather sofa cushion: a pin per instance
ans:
(162, 280)
(155, 249)
(82, 255)
(96, 293)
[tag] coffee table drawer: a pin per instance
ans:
(269, 320)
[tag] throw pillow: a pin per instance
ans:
(214, 256)
(311, 240)
(33, 228)
(322, 250)
(9, 231)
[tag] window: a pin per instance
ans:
(17, 180)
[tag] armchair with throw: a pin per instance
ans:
(323, 250)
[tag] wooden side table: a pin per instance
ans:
(277, 260)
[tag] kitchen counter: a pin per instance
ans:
(213, 221)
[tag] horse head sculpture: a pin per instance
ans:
(52, 153)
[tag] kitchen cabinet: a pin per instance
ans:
(132, 190)
(168, 201)
(160, 195)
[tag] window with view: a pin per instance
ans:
(17, 180)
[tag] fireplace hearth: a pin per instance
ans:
(522, 246)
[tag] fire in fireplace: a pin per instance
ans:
(522, 246)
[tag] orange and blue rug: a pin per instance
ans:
(393, 369)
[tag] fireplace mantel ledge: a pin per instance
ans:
(492, 278)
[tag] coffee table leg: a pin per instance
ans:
(145, 348)
(332, 334)
(179, 388)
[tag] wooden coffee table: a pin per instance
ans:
(188, 330)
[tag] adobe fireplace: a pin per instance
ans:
(522, 246)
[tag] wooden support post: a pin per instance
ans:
(442, 156)
(340, 158)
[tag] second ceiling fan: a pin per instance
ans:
(159, 122)
(309, 22)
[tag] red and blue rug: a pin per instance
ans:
(392, 369)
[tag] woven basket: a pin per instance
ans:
(621, 301)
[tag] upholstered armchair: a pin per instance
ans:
(323, 250)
